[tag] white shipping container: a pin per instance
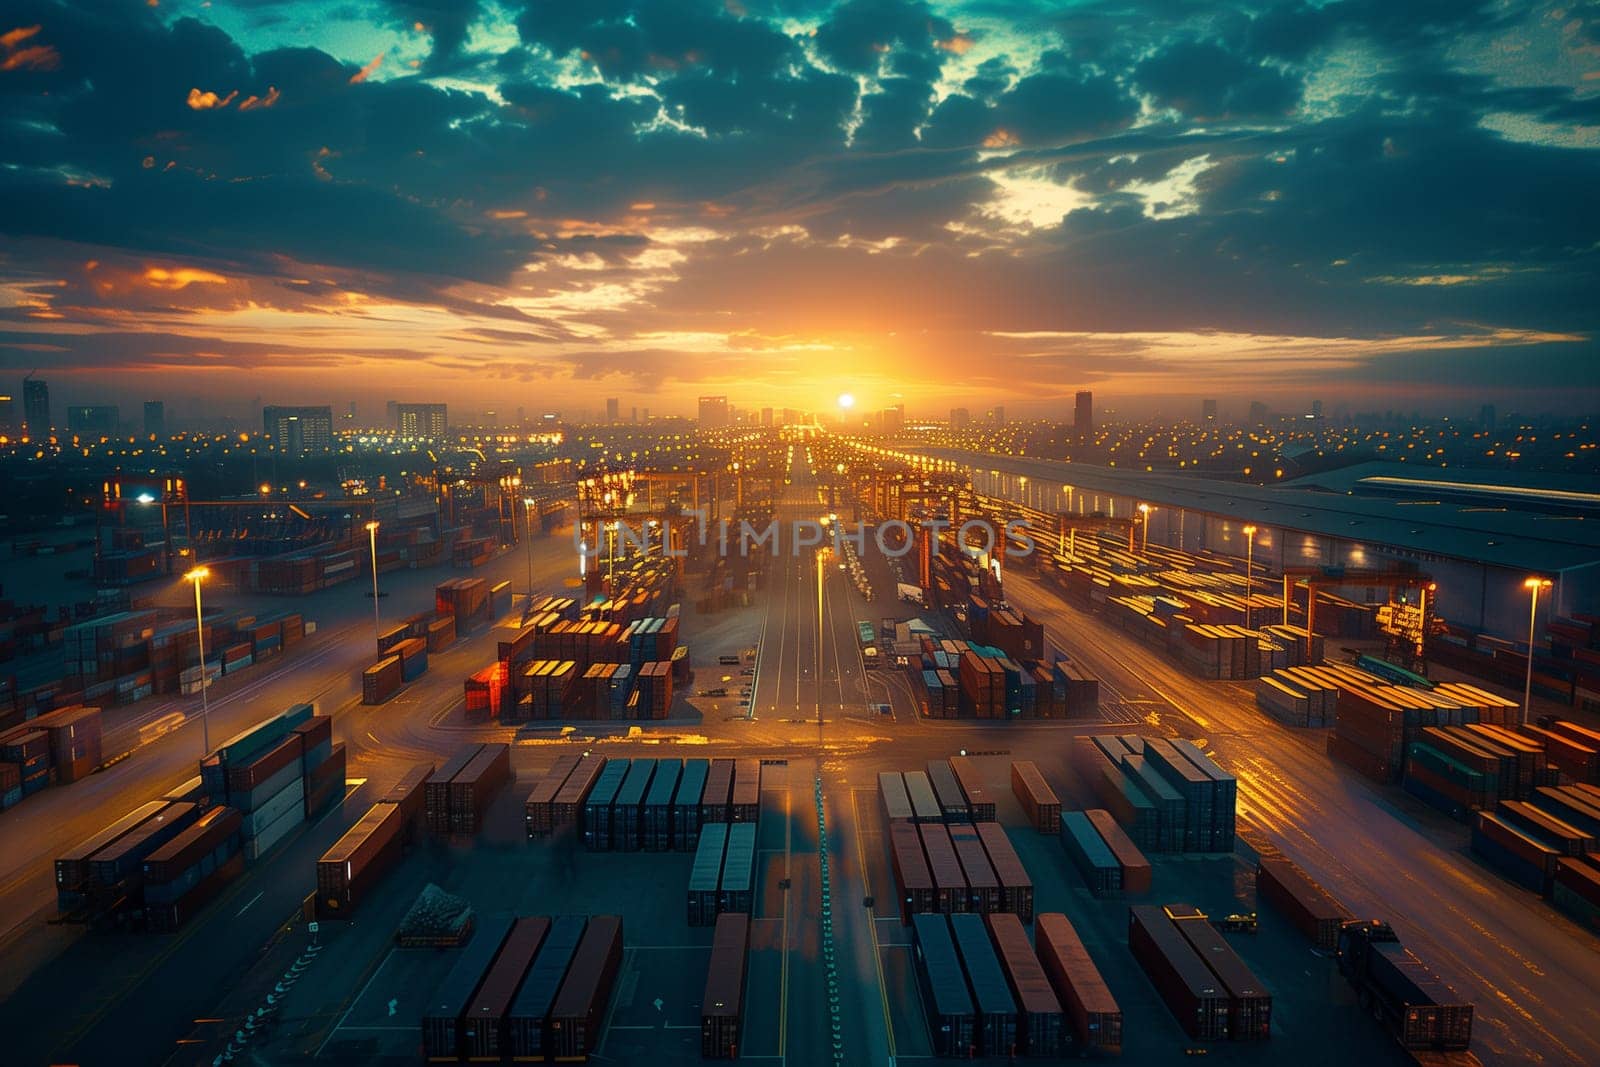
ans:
(291, 798)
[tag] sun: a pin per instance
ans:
(846, 401)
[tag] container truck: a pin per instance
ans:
(1412, 1003)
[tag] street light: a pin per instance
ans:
(196, 576)
(527, 527)
(1533, 585)
(377, 629)
(1144, 521)
(1249, 562)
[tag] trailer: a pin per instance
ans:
(722, 1004)
(1410, 1000)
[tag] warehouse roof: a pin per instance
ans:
(1535, 543)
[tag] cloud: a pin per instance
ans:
(206, 101)
(367, 71)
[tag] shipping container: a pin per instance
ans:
(1039, 1016)
(1090, 855)
(537, 809)
(72, 866)
(527, 1021)
(1038, 800)
(656, 834)
(736, 891)
(911, 874)
(1016, 888)
(382, 680)
(1191, 992)
(441, 1020)
(1308, 907)
(686, 804)
(978, 801)
(746, 803)
(995, 1011)
(924, 802)
(705, 877)
(474, 787)
(952, 801)
(1095, 1018)
(722, 1004)
(483, 1027)
(124, 857)
(944, 989)
(718, 792)
(597, 822)
(892, 793)
(580, 1007)
(627, 811)
(983, 888)
(950, 885)
(1419, 1009)
(1136, 871)
(568, 806)
(179, 865)
(436, 792)
(1249, 1003)
(359, 859)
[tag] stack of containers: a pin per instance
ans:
(979, 804)
(1039, 1027)
(982, 686)
(1309, 907)
(627, 811)
(1193, 994)
(983, 887)
(537, 809)
(442, 1019)
(413, 654)
(485, 693)
(653, 683)
(953, 805)
(1249, 1004)
(911, 873)
(746, 802)
(944, 988)
(686, 803)
(436, 791)
(570, 801)
(261, 773)
(184, 874)
(1090, 854)
(74, 886)
(528, 1018)
(25, 753)
(598, 828)
(483, 1025)
(950, 884)
(475, 785)
(924, 801)
(995, 1017)
(1016, 888)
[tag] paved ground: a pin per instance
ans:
(129, 999)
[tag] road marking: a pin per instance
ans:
(251, 904)
(872, 926)
(373, 977)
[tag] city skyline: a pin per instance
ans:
(933, 204)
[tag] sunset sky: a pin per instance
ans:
(1380, 202)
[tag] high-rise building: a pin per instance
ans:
(997, 415)
(299, 429)
(713, 412)
(428, 421)
(960, 418)
(766, 416)
(1316, 409)
(1258, 413)
(36, 407)
(8, 415)
(1083, 414)
(155, 418)
(1208, 410)
(1486, 417)
(893, 420)
(613, 410)
(93, 420)
(633, 414)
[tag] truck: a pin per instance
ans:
(1412, 1003)
(910, 594)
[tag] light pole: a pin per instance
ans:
(196, 576)
(377, 627)
(1249, 564)
(822, 563)
(1533, 585)
(527, 528)
(1144, 521)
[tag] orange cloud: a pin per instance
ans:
(958, 44)
(11, 38)
(1001, 138)
(205, 101)
(367, 71)
(181, 277)
(34, 57)
(251, 102)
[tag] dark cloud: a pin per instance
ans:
(1206, 81)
